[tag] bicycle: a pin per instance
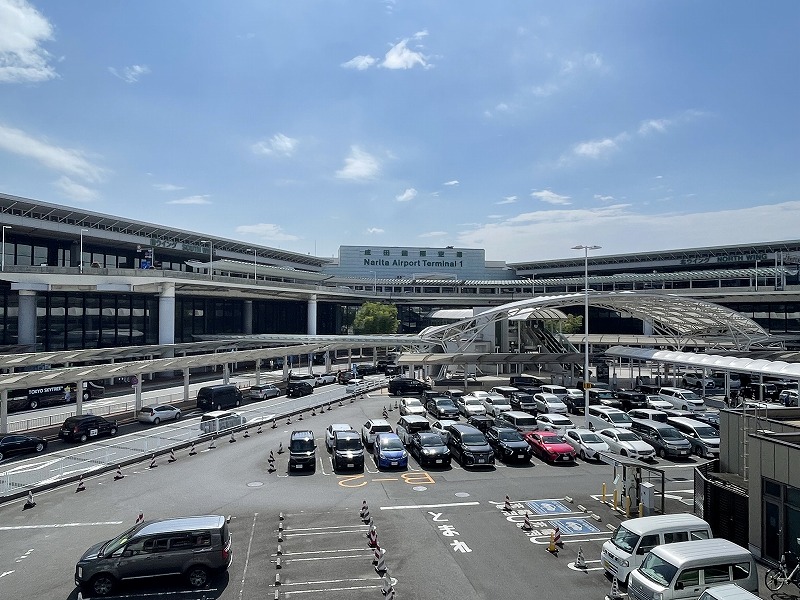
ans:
(777, 577)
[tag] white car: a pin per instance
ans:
(333, 428)
(470, 406)
(696, 380)
(309, 379)
(373, 427)
(441, 426)
(326, 378)
(558, 423)
(355, 385)
(157, 413)
(549, 404)
(495, 404)
(626, 443)
(587, 443)
(657, 402)
(411, 406)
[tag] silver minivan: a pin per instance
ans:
(194, 547)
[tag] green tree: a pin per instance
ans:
(572, 324)
(374, 317)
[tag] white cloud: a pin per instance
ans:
(400, 56)
(603, 198)
(595, 148)
(374, 230)
(432, 234)
(267, 231)
(75, 190)
(406, 196)
(359, 166)
(360, 63)
(550, 197)
(654, 125)
(22, 31)
(197, 199)
(167, 187)
(507, 200)
(659, 177)
(65, 160)
(550, 233)
(451, 183)
(278, 145)
(130, 74)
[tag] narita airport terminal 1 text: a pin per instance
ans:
(420, 262)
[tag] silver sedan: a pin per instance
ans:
(158, 413)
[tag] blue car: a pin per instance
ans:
(389, 451)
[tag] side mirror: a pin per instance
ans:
(127, 553)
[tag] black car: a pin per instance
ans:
(508, 444)
(344, 377)
(429, 449)
(392, 370)
(302, 451)
(362, 370)
(443, 408)
(82, 427)
(20, 444)
(469, 446)
(348, 451)
(400, 386)
(296, 389)
(522, 401)
(631, 399)
(709, 418)
(525, 381)
(481, 422)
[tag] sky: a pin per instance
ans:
(521, 127)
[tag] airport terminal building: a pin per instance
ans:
(75, 279)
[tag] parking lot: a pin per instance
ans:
(444, 533)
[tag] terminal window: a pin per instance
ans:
(367, 252)
(386, 253)
(404, 253)
(440, 253)
(423, 253)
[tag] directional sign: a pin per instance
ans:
(574, 526)
(548, 507)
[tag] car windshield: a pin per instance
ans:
(429, 440)
(591, 438)
(627, 437)
(472, 402)
(381, 428)
(606, 395)
(553, 439)
(445, 403)
(302, 445)
(413, 402)
(348, 443)
(509, 436)
(624, 539)
(619, 417)
(671, 434)
(657, 569)
(692, 397)
(391, 444)
(118, 542)
(706, 432)
(474, 439)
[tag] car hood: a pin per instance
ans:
(639, 446)
(559, 447)
(477, 447)
(521, 445)
(391, 453)
(93, 552)
(415, 410)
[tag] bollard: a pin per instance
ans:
(627, 506)
(641, 509)
(604, 492)
(616, 499)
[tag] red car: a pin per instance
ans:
(550, 446)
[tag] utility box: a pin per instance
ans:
(647, 493)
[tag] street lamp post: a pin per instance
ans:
(210, 257)
(586, 383)
(3, 268)
(255, 265)
(81, 261)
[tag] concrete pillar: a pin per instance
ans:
(247, 317)
(26, 318)
(285, 367)
(166, 314)
(327, 361)
(4, 412)
(185, 384)
(258, 371)
(311, 328)
(78, 397)
(138, 391)
(226, 373)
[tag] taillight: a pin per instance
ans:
(226, 550)
(75, 430)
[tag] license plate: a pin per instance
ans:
(394, 463)
(438, 460)
(683, 452)
(480, 459)
(298, 466)
(520, 456)
(565, 458)
(350, 465)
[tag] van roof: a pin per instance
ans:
(412, 419)
(182, 524)
(728, 591)
(218, 414)
(681, 554)
(517, 414)
(687, 421)
(644, 525)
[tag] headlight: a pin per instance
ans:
(626, 563)
(427, 451)
(80, 572)
(658, 596)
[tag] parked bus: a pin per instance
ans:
(40, 397)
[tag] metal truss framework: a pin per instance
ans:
(681, 320)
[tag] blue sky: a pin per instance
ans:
(523, 127)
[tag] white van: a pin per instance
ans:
(603, 417)
(556, 390)
(220, 420)
(634, 538)
(682, 399)
(687, 569)
(730, 591)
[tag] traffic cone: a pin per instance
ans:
(377, 555)
(526, 526)
(385, 413)
(140, 518)
(313, 412)
(192, 451)
(507, 505)
(614, 595)
(386, 586)
(551, 547)
(289, 420)
(81, 487)
(119, 474)
(171, 458)
(29, 503)
(557, 537)
(259, 429)
(273, 423)
(364, 514)
(300, 418)
(380, 568)
(322, 409)
(213, 444)
(580, 561)
(233, 438)
(280, 447)
(271, 462)
(372, 537)
(153, 464)
(246, 433)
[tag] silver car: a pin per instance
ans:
(470, 406)
(262, 392)
(626, 443)
(587, 443)
(158, 413)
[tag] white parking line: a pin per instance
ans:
(363, 527)
(323, 552)
(329, 581)
(329, 590)
(429, 505)
(310, 558)
(58, 525)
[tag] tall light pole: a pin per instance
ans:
(586, 383)
(255, 267)
(210, 257)
(3, 268)
(81, 261)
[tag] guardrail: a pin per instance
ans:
(69, 465)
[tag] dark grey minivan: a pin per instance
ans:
(194, 547)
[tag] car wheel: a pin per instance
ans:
(698, 451)
(238, 402)
(197, 576)
(39, 447)
(583, 455)
(178, 416)
(33, 404)
(113, 431)
(1, 456)
(684, 407)
(156, 421)
(662, 453)
(83, 437)
(102, 584)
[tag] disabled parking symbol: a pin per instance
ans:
(573, 526)
(548, 507)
